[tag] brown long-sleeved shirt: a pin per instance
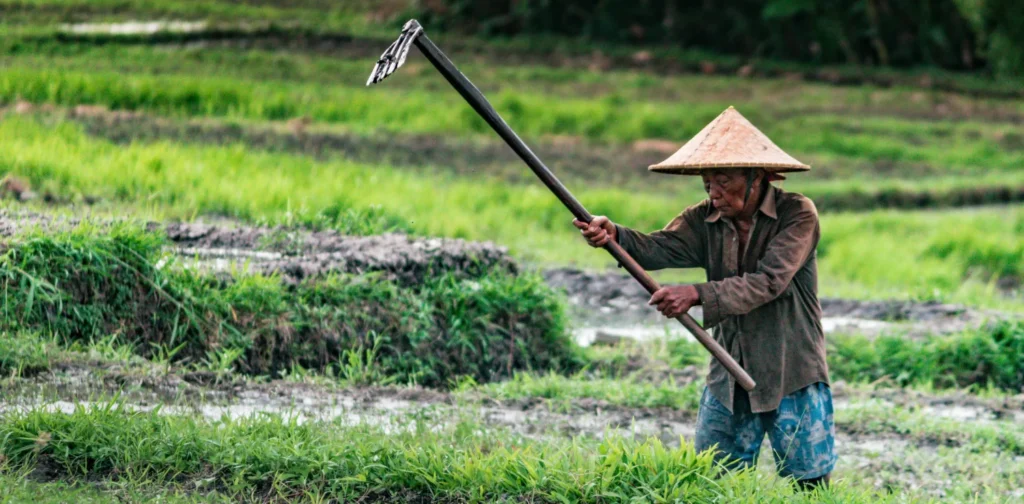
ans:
(764, 306)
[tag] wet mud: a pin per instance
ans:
(298, 255)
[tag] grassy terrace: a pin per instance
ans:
(870, 147)
(938, 250)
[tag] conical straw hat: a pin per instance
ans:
(730, 141)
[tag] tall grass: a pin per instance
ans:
(931, 255)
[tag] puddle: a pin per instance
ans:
(850, 324)
(587, 335)
(135, 27)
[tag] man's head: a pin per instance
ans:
(734, 191)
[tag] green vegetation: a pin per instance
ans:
(23, 354)
(922, 427)
(20, 487)
(83, 286)
(268, 457)
(853, 31)
(985, 358)
(981, 358)
(929, 148)
(959, 256)
(633, 392)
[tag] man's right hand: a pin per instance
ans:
(599, 232)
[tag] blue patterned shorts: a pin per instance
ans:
(801, 431)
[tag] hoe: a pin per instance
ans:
(394, 57)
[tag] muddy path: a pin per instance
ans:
(255, 34)
(575, 160)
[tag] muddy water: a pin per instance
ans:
(587, 335)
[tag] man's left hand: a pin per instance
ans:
(675, 300)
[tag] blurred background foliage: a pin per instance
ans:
(952, 34)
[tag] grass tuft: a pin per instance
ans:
(83, 286)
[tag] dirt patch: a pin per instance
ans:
(298, 255)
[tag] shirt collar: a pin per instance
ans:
(768, 207)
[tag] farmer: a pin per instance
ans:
(757, 244)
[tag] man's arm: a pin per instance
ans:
(681, 244)
(786, 253)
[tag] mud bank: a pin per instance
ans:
(298, 254)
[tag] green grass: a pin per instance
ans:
(85, 285)
(271, 457)
(954, 255)
(20, 487)
(634, 392)
(922, 427)
(615, 107)
(382, 20)
(990, 357)
(980, 358)
(868, 147)
(25, 354)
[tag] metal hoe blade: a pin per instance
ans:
(394, 56)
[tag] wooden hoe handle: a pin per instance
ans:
(484, 108)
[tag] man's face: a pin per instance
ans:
(727, 188)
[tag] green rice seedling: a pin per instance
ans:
(634, 392)
(991, 356)
(854, 257)
(873, 417)
(24, 353)
(105, 282)
(270, 455)
(358, 366)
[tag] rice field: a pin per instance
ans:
(190, 315)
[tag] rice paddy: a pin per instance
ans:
(195, 308)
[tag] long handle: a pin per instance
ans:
(479, 103)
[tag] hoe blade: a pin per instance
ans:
(395, 55)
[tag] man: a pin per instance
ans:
(757, 244)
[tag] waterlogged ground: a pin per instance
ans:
(931, 444)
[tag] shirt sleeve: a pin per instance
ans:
(784, 255)
(680, 244)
